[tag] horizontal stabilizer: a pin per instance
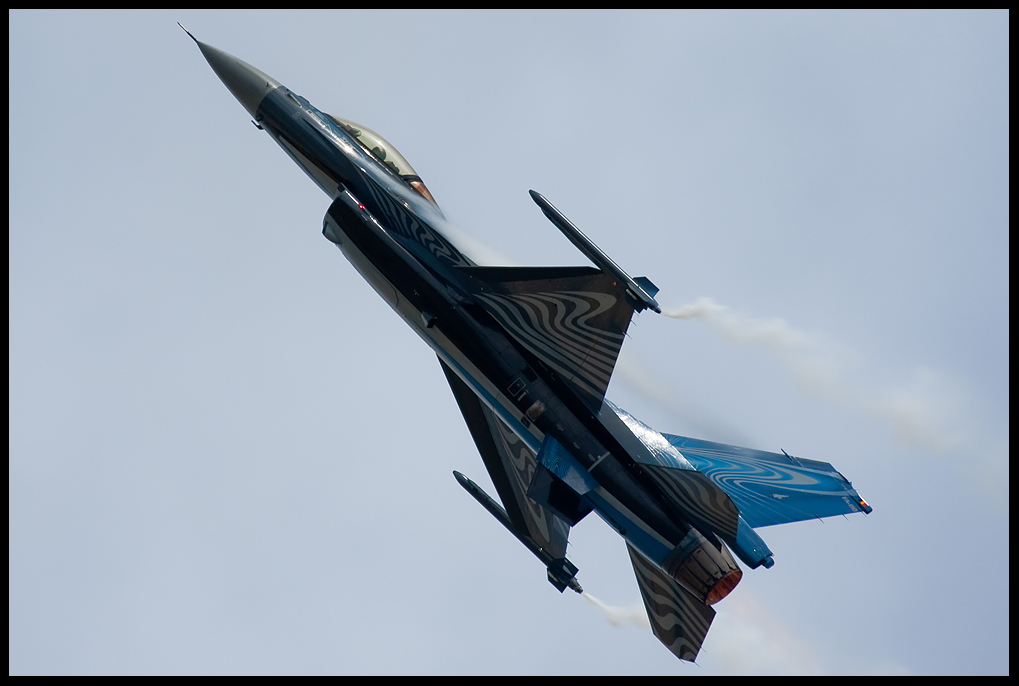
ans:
(770, 488)
(678, 618)
(700, 500)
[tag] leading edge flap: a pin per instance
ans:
(573, 319)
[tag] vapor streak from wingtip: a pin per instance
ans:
(926, 411)
(620, 616)
(821, 367)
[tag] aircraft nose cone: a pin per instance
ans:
(249, 85)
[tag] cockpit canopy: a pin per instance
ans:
(384, 152)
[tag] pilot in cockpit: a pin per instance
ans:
(384, 151)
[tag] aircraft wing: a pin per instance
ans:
(769, 488)
(511, 464)
(573, 319)
(678, 619)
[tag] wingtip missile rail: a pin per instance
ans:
(641, 288)
(561, 572)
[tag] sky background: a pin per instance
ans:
(227, 455)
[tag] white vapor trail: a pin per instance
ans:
(702, 421)
(476, 249)
(925, 412)
(621, 616)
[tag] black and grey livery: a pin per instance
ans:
(528, 353)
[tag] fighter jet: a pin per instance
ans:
(528, 353)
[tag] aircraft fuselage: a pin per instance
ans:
(434, 299)
(528, 353)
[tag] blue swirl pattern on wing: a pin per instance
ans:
(556, 327)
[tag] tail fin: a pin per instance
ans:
(770, 488)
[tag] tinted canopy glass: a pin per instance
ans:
(377, 146)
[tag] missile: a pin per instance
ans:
(561, 572)
(641, 288)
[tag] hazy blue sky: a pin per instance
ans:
(228, 455)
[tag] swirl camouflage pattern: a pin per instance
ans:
(528, 353)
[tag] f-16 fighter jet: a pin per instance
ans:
(528, 353)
